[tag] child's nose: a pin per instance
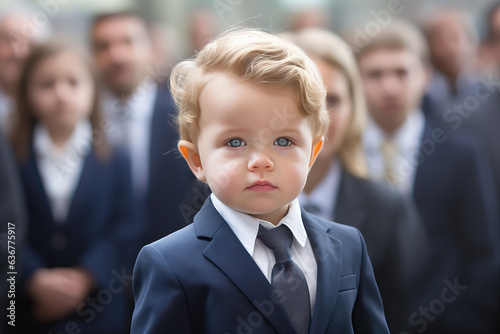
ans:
(260, 161)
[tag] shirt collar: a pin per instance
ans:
(246, 227)
(325, 193)
(140, 104)
(407, 137)
(80, 141)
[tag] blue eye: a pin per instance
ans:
(236, 142)
(282, 141)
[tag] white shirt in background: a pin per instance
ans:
(246, 228)
(129, 126)
(407, 139)
(60, 168)
(6, 111)
(324, 196)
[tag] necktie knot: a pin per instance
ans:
(279, 239)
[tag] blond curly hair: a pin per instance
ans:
(257, 57)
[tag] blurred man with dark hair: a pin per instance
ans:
(138, 112)
(462, 98)
(449, 179)
(453, 52)
(203, 27)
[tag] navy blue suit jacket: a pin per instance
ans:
(454, 191)
(202, 280)
(169, 175)
(99, 227)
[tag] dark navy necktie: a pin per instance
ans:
(287, 279)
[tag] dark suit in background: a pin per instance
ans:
(395, 238)
(169, 175)
(455, 193)
(96, 235)
(483, 120)
(202, 280)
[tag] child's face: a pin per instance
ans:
(254, 148)
(61, 90)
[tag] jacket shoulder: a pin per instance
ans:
(179, 242)
(344, 233)
(378, 195)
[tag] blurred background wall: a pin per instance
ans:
(173, 19)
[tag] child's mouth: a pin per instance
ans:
(262, 186)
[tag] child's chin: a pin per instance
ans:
(261, 210)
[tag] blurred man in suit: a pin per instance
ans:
(460, 97)
(452, 48)
(449, 178)
(139, 111)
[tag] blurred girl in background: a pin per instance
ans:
(79, 200)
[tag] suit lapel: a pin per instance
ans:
(85, 185)
(34, 181)
(349, 206)
(328, 253)
(228, 254)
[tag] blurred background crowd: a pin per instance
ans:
(89, 168)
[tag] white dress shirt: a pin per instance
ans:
(324, 196)
(60, 168)
(131, 129)
(246, 228)
(407, 139)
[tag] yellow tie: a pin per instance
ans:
(389, 152)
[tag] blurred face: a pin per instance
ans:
(122, 52)
(254, 147)
(203, 29)
(14, 49)
(61, 91)
(451, 47)
(394, 82)
(495, 40)
(339, 104)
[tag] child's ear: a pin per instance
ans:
(315, 150)
(189, 151)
